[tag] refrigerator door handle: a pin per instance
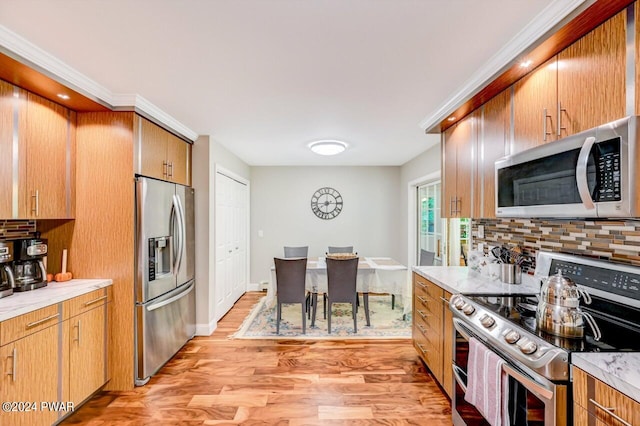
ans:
(178, 231)
(183, 230)
(171, 300)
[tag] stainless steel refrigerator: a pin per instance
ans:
(164, 283)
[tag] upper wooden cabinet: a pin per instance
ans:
(492, 145)
(161, 154)
(459, 145)
(37, 151)
(580, 88)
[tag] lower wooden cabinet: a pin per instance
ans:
(599, 404)
(53, 359)
(433, 330)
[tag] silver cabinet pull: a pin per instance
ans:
(458, 209)
(79, 331)
(95, 301)
(170, 169)
(451, 209)
(43, 320)
(421, 284)
(610, 411)
(424, 330)
(422, 314)
(14, 357)
(36, 203)
(165, 169)
(422, 349)
(444, 300)
(545, 117)
(422, 299)
(560, 110)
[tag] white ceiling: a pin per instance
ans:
(266, 77)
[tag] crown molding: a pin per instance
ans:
(22, 50)
(532, 33)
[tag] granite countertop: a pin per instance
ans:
(28, 301)
(462, 280)
(620, 370)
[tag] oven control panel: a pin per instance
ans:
(509, 340)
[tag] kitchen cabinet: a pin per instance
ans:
(37, 181)
(492, 145)
(581, 87)
(46, 159)
(161, 154)
(459, 144)
(87, 331)
(598, 401)
(30, 366)
(432, 331)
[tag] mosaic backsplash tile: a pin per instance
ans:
(617, 241)
(12, 229)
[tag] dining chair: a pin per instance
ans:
(341, 286)
(336, 249)
(290, 252)
(426, 257)
(290, 288)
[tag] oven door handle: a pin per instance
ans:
(456, 373)
(581, 173)
(533, 386)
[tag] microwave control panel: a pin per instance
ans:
(608, 160)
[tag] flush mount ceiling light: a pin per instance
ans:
(327, 147)
(63, 96)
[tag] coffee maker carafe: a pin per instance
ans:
(7, 281)
(28, 270)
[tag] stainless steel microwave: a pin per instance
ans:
(589, 174)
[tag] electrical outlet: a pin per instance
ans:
(480, 231)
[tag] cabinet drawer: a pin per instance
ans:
(86, 302)
(602, 401)
(421, 286)
(23, 325)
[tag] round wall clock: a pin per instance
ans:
(326, 203)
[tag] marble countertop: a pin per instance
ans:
(461, 279)
(620, 370)
(54, 292)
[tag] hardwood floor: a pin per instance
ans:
(215, 381)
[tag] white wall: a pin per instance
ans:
(206, 155)
(281, 209)
(426, 164)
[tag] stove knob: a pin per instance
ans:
(527, 346)
(511, 336)
(458, 303)
(487, 321)
(468, 309)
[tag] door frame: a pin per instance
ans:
(234, 176)
(412, 214)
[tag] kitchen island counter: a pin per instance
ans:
(55, 292)
(620, 370)
(462, 280)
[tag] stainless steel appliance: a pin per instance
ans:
(7, 282)
(589, 174)
(28, 266)
(537, 363)
(164, 285)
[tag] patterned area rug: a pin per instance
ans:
(385, 322)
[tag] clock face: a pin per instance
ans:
(326, 203)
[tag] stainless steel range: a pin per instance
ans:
(537, 364)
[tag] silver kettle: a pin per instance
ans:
(559, 312)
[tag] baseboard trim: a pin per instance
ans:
(206, 329)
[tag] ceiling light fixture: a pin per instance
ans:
(526, 64)
(452, 118)
(63, 96)
(327, 147)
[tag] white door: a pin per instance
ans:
(231, 242)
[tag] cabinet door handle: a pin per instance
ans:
(165, 168)
(423, 285)
(560, 110)
(444, 300)
(458, 209)
(610, 411)
(36, 203)
(14, 357)
(423, 300)
(79, 331)
(545, 117)
(171, 169)
(43, 320)
(451, 209)
(422, 314)
(95, 301)
(424, 351)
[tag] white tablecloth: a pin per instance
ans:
(375, 275)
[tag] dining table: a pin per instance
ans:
(382, 275)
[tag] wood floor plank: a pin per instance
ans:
(215, 380)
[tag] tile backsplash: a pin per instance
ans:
(13, 228)
(617, 241)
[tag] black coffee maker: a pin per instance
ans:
(6, 273)
(28, 267)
